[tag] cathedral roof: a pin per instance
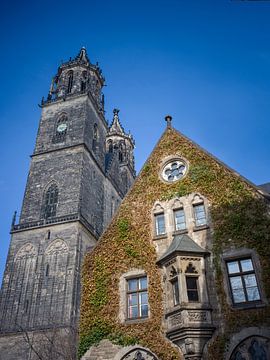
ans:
(182, 243)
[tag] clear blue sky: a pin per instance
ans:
(207, 63)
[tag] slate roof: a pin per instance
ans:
(265, 187)
(182, 243)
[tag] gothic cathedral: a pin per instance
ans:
(80, 171)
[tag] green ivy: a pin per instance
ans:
(98, 332)
(99, 296)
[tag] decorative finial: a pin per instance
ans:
(168, 118)
(115, 112)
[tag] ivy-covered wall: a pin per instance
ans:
(239, 218)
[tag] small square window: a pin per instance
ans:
(160, 224)
(179, 219)
(200, 215)
(137, 298)
(243, 282)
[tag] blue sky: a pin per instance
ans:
(207, 63)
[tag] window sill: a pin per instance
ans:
(136, 320)
(201, 227)
(158, 237)
(180, 232)
(247, 306)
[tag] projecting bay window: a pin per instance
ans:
(199, 214)
(179, 219)
(160, 224)
(243, 282)
(137, 298)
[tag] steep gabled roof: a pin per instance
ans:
(182, 244)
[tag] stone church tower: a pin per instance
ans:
(80, 170)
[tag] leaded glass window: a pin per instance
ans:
(199, 214)
(137, 298)
(51, 200)
(243, 282)
(160, 224)
(179, 219)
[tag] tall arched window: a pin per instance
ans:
(110, 146)
(83, 81)
(121, 152)
(69, 81)
(50, 201)
(95, 137)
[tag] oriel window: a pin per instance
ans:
(137, 298)
(175, 290)
(192, 283)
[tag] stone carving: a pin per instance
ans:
(58, 246)
(141, 354)
(27, 250)
(197, 316)
(176, 319)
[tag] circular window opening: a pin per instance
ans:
(174, 170)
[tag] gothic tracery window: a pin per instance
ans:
(50, 201)
(252, 348)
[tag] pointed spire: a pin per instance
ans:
(116, 126)
(82, 56)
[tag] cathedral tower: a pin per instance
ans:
(80, 170)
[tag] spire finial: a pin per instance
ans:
(168, 118)
(116, 112)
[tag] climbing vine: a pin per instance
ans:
(239, 218)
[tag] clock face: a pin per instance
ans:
(61, 127)
(174, 171)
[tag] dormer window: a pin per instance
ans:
(160, 224)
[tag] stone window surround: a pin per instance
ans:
(123, 311)
(237, 254)
(168, 159)
(178, 203)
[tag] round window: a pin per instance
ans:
(174, 170)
